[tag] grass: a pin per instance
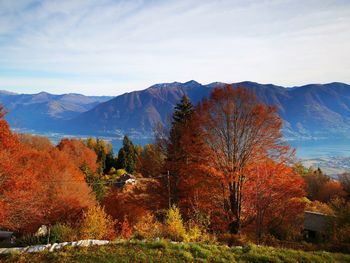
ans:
(163, 251)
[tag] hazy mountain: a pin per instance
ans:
(45, 111)
(313, 110)
(309, 111)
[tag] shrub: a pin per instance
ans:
(62, 233)
(29, 240)
(147, 227)
(96, 224)
(126, 230)
(174, 227)
(196, 233)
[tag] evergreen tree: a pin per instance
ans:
(183, 111)
(180, 120)
(127, 156)
(181, 116)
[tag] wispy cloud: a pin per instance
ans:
(110, 47)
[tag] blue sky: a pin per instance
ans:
(106, 47)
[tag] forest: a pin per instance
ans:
(221, 171)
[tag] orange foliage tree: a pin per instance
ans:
(37, 186)
(134, 201)
(238, 130)
(330, 190)
(199, 193)
(273, 198)
(79, 153)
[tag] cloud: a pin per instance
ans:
(111, 47)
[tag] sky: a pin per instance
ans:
(109, 47)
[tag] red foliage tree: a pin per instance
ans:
(79, 153)
(37, 186)
(272, 198)
(330, 190)
(238, 130)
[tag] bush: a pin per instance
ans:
(30, 240)
(196, 233)
(126, 229)
(147, 227)
(62, 233)
(174, 227)
(96, 224)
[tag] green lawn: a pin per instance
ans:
(167, 252)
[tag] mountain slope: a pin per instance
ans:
(44, 111)
(308, 111)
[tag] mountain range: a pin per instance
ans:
(309, 111)
(45, 111)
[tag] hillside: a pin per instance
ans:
(308, 111)
(45, 111)
(182, 252)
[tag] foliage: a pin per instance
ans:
(340, 222)
(314, 181)
(79, 153)
(273, 199)
(39, 143)
(330, 190)
(147, 227)
(317, 206)
(30, 240)
(174, 227)
(127, 156)
(95, 181)
(238, 131)
(38, 186)
(151, 161)
(104, 152)
(196, 233)
(62, 233)
(126, 230)
(175, 155)
(96, 224)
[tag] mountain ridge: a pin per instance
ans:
(308, 111)
(139, 111)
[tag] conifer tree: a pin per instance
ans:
(175, 155)
(127, 156)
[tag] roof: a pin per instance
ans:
(5, 234)
(315, 221)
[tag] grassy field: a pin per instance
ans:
(167, 252)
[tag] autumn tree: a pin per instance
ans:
(239, 131)
(104, 152)
(87, 161)
(273, 199)
(330, 190)
(97, 224)
(151, 161)
(40, 143)
(79, 153)
(38, 185)
(314, 182)
(196, 203)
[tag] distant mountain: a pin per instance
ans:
(310, 111)
(45, 111)
(313, 110)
